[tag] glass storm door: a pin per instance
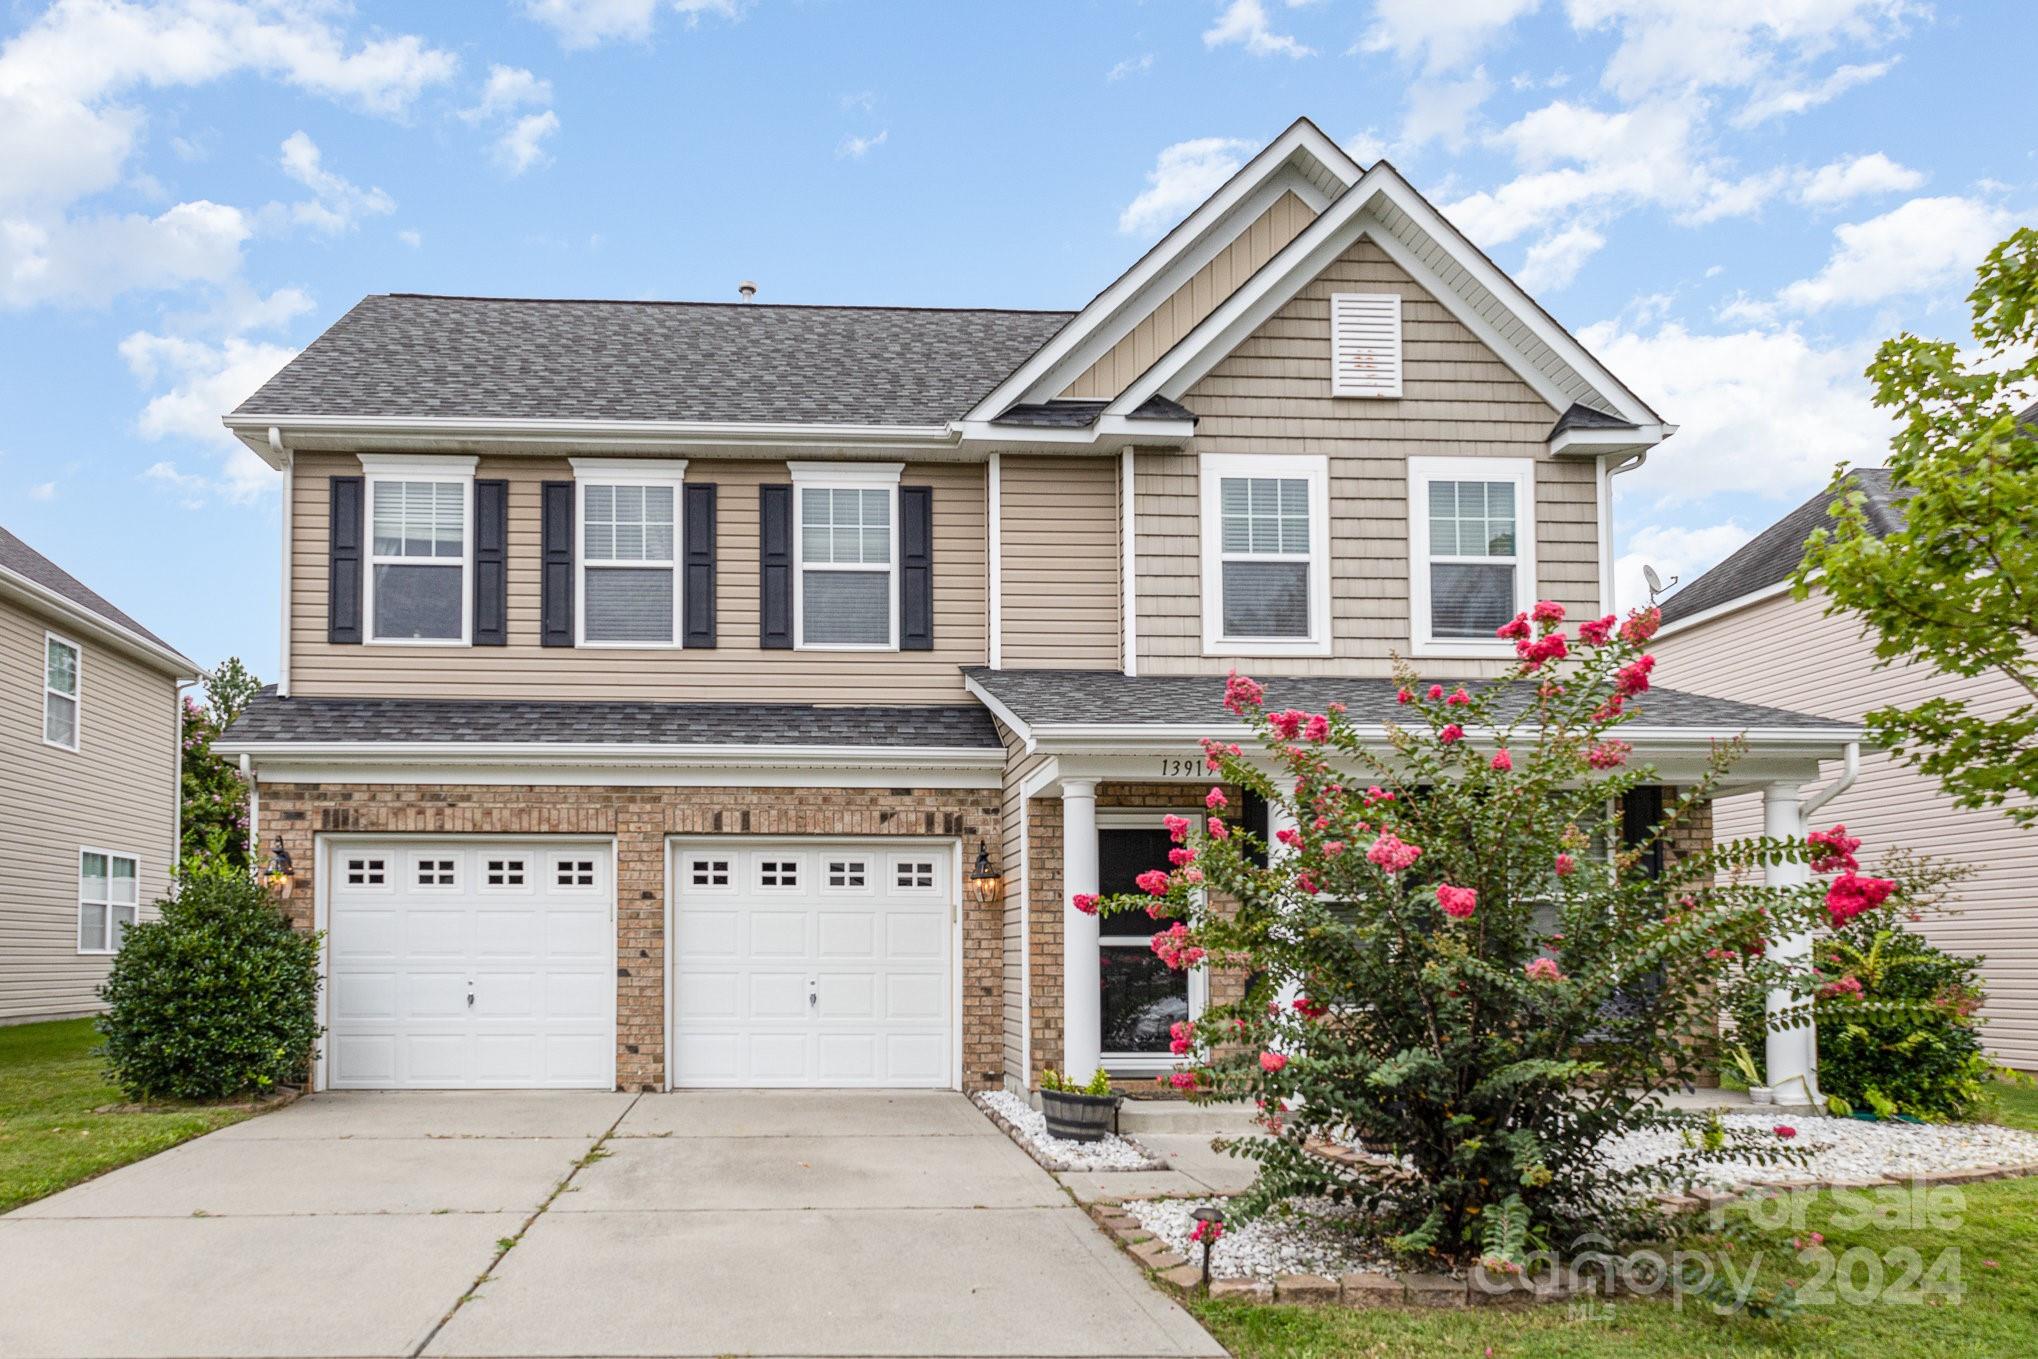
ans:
(1142, 997)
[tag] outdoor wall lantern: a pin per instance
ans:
(278, 875)
(985, 886)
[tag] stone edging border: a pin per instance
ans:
(1055, 1167)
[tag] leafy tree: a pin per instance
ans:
(215, 799)
(1956, 586)
(1484, 984)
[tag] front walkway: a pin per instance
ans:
(697, 1224)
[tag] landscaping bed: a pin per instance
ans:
(1028, 1127)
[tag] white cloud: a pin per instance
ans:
(1244, 24)
(1442, 110)
(1857, 177)
(1183, 175)
(1676, 553)
(1760, 411)
(1556, 259)
(411, 237)
(856, 148)
(1923, 245)
(92, 260)
(1678, 45)
(508, 89)
(589, 23)
(43, 490)
(1443, 34)
(204, 380)
(190, 489)
(1131, 66)
(522, 144)
(1789, 98)
(337, 204)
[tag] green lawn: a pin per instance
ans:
(1997, 1240)
(49, 1137)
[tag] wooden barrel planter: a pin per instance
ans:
(1079, 1118)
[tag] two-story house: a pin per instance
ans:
(690, 695)
(90, 767)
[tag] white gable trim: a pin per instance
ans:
(1330, 235)
(1173, 261)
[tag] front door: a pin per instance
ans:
(1143, 998)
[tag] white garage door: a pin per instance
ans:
(467, 964)
(806, 964)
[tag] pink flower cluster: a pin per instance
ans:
(1641, 625)
(1848, 987)
(1543, 970)
(1180, 1038)
(1451, 733)
(1835, 850)
(1564, 864)
(1153, 882)
(1172, 947)
(1273, 1062)
(1086, 902)
(1241, 693)
(1503, 761)
(1850, 894)
(1633, 678)
(1393, 853)
(1457, 902)
(1542, 650)
(1598, 632)
(1608, 754)
(1209, 1231)
(1178, 827)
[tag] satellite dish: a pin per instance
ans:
(1655, 582)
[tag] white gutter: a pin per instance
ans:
(582, 753)
(1734, 605)
(1107, 737)
(95, 625)
(289, 466)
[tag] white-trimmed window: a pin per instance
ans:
(846, 555)
(1266, 554)
(421, 549)
(108, 898)
(630, 526)
(62, 674)
(1471, 531)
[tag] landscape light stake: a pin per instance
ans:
(1209, 1226)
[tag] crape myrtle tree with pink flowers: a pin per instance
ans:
(1457, 963)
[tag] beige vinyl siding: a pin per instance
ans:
(1178, 314)
(1783, 652)
(116, 792)
(1059, 566)
(735, 669)
(1272, 395)
(1019, 766)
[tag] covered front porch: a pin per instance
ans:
(1099, 759)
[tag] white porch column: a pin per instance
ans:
(1793, 1054)
(1082, 1001)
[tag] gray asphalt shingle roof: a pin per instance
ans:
(1581, 416)
(407, 355)
(23, 560)
(1103, 696)
(1772, 555)
(271, 720)
(1081, 413)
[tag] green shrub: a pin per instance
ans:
(1897, 1031)
(216, 998)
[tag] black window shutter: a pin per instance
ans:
(699, 599)
(344, 557)
(916, 568)
(556, 547)
(491, 563)
(775, 567)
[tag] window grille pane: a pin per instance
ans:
(627, 523)
(1468, 600)
(60, 719)
(449, 511)
(62, 668)
(417, 602)
(1471, 519)
(92, 927)
(1264, 515)
(845, 526)
(123, 881)
(419, 518)
(123, 916)
(629, 605)
(92, 877)
(847, 607)
(1266, 599)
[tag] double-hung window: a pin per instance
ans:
(629, 551)
(1472, 551)
(1266, 554)
(107, 899)
(421, 535)
(60, 683)
(846, 542)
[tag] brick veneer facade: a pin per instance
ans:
(641, 819)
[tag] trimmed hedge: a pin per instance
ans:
(216, 998)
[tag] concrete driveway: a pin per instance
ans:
(756, 1223)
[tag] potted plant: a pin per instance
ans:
(1079, 1113)
(1758, 1093)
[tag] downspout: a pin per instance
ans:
(176, 873)
(995, 479)
(1128, 564)
(289, 510)
(1609, 469)
(254, 814)
(1850, 769)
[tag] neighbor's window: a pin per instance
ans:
(418, 568)
(107, 899)
(60, 692)
(847, 547)
(1264, 554)
(630, 550)
(1473, 564)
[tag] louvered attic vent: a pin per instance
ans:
(1365, 344)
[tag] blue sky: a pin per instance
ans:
(1732, 200)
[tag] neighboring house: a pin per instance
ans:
(655, 675)
(89, 771)
(1737, 632)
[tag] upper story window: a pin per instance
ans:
(107, 899)
(1471, 551)
(420, 519)
(1266, 554)
(846, 545)
(60, 684)
(630, 551)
